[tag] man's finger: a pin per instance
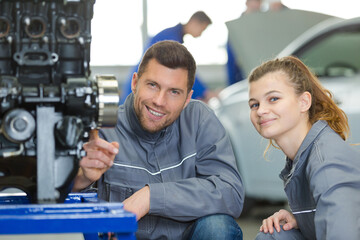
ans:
(94, 134)
(96, 164)
(100, 156)
(99, 143)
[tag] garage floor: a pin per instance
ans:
(251, 223)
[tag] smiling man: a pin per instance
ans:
(170, 160)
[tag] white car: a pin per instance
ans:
(331, 49)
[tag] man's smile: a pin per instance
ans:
(155, 113)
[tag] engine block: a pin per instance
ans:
(49, 102)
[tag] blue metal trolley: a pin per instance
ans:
(80, 213)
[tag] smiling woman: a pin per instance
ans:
(290, 106)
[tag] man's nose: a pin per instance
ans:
(160, 98)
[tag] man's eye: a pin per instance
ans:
(175, 92)
(152, 84)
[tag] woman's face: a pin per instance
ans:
(276, 110)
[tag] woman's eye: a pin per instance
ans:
(254, 105)
(273, 99)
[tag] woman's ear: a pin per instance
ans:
(305, 101)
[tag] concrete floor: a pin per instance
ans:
(250, 227)
(251, 223)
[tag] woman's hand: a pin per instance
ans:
(281, 217)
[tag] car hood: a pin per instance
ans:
(258, 37)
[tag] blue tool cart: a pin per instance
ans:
(80, 213)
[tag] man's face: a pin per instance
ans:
(253, 5)
(159, 95)
(198, 29)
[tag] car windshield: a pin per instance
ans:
(334, 54)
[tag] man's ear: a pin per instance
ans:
(134, 82)
(188, 98)
(305, 101)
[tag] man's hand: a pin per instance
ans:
(100, 156)
(282, 217)
(138, 203)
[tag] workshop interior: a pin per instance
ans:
(51, 100)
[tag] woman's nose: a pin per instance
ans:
(262, 109)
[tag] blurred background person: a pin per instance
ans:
(234, 72)
(276, 5)
(196, 25)
(252, 6)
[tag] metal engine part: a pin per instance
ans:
(49, 103)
